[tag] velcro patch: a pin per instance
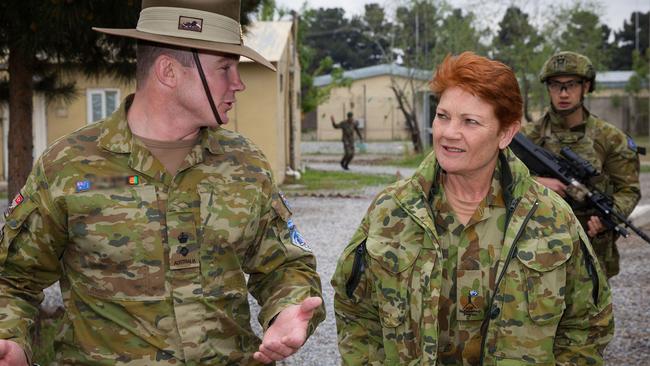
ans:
(631, 144)
(296, 238)
(14, 203)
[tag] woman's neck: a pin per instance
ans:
(465, 194)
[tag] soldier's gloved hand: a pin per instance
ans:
(594, 226)
(553, 184)
(11, 354)
(288, 332)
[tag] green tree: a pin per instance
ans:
(585, 34)
(457, 34)
(518, 44)
(640, 65)
(625, 41)
(42, 40)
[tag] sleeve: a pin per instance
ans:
(622, 166)
(281, 266)
(357, 318)
(587, 325)
(30, 246)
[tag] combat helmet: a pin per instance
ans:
(569, 63)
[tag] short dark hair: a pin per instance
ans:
(350, 114)
(147, 53)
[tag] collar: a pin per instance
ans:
(557, 121)
(116, 135)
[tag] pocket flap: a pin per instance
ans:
(547, 253)
(393, 256)
(20, 213)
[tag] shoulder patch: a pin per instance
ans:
(632, 145)
(14, 203)
(296, 237)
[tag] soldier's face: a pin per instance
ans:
(467, 134)
(566, 91)
(222, 74)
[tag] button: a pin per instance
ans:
(182, 238)
(495, 313)
(184, 251)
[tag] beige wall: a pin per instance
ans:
(63, 119)
(262, 110)
(384, 119)
(256, 112)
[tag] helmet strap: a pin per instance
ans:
(568, 112)
(206, 87)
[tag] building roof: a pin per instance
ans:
(268, 38)
(612, 79)
(377, 70)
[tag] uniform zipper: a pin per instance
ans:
(511, 253)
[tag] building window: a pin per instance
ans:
(101, 103)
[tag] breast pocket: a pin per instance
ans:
(391, 267)
(533, 300)
(116, 248)
(229, 222)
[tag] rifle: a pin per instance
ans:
(573, 170)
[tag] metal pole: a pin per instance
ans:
(365, 115)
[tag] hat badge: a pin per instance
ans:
(190, 24)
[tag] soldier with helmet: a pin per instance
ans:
(569, 76)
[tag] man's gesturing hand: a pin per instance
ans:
(288, 332)
(11, 354)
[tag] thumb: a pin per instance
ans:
(310, 304)
(4, 348)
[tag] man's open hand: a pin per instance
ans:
(288, 332)
(11, 354)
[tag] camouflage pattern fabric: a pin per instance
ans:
(144, 285)
(469, 265)
(552, 304)
(609, 150)
(349, 127)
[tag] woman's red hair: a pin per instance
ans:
(490, 80)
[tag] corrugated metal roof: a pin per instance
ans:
(268, 38)
(377, 70)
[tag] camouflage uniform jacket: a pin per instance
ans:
(606, 147)
(349, 128)
(152, 266)
(552, 304)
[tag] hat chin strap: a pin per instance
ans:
(195, 53)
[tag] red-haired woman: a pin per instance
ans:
(470, 261)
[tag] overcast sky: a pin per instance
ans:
(614, 11)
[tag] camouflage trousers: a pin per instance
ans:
(348, 147)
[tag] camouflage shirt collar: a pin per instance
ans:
(557, 121)
(510, 171)
(116, 134)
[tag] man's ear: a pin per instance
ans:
(166, 70)
(507, 134)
